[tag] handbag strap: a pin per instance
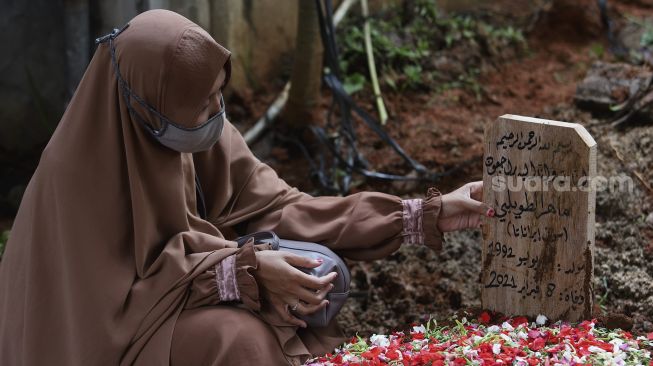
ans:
(261, 237)
(199, 198)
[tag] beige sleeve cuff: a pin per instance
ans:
(228, 281)
(420, 219)
(431, 208)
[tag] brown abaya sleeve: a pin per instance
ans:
(361, 226)
(210, 288)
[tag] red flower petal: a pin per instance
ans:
(537, 344)
(460, 361)
(484, 318)
(518, 321)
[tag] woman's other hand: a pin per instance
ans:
(287, 289)
(462, 208)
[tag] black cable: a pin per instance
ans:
(429, 177)
(345, 141)
(615, 46)
(318, 172)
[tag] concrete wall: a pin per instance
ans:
(48, 43)
(261, 38)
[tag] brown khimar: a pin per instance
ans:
(108, 262)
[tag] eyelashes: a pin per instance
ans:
(208, 104)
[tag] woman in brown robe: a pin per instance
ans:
(109, 261)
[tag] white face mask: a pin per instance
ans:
(171, 135)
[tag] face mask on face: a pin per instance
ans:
(194, 139)
(171, 135)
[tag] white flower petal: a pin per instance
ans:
(493, 329)
(419, 329)
(595, 349)
(507, 326)
(380, 340)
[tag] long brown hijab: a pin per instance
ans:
(107, 237)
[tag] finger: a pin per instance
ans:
(315, 283)
(476, 190)
(284, 311)
(478, 207)
(314, 297)
(303, 262)
(473, 221)
(306, 309)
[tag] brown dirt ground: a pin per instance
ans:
(443, 130)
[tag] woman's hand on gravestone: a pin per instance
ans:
(287, 289)
(462, 208)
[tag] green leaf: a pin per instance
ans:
(618, 107)
(390, 81)
(597, 50)
(647, 38)
(354, 83)
(448, 39)
(413, 74)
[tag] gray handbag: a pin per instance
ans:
(331, 263)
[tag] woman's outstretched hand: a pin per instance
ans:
(462, 208)
(287, 289)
